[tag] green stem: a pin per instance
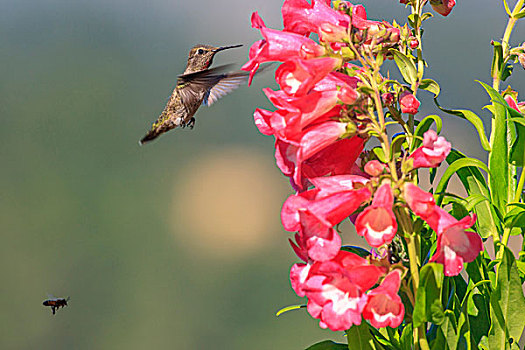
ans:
(506, 38)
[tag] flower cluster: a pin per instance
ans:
(324, 116)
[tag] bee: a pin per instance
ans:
(56, 303)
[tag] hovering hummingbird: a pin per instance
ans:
(198, 85)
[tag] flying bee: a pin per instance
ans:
(56, 303)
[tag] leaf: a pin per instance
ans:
(520, 14)
(447, 337)
(406, 66)
(517, 149)
(423, 127)
(407, 337)
(428, 306)
(380, 154)
(472, 179)
(496, 59)
(473, 119)
(289, 308)
(362, 252)
(498, 157)
(431, 86)
(515, 218)
(328, 345)
(359, 337)
(507, 304)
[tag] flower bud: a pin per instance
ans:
(374, 168)
(408, 102)
(387, 98)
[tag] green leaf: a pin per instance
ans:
(362, 252)
(359, 337)
(507, 304)
(328, 345)
(423, 127)
(496, 59)
(407, 337)
(380, 154)
(406, 66)
(428, 306)
(472, 179)
(473, 119)
(289, 308)
(455, 167)
(498, 157)
(515, 218)
(520, 14)
(517, 149)
(447, 337)
(431, 86)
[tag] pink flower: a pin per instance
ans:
(384, 306)
(336, 290)
(408, 102)
(433, 151)
(420, 202)
(455, 246)
(374, 168)
(301, 17)
(377, 223)
(278, 46)
(519, 107)
(298, 275)
(333, 199)
(315, 240)
(443, 7)
(298, 76)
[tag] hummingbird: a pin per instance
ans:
(198, 85)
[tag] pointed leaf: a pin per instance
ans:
(406, 66)
(359, 337)
(473, 119)
(487, 223)
(428, 307)
(431, 86)
(498, 157)
(507, 304)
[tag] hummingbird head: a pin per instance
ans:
(201, 57)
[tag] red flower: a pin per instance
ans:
(333, 199)
(302, 18)
(408, 102)
(433, 151)
(315, 240)
(298, 76)
(278, 46)
(377, 223)
(336, 290)
(384, 306)
(443, 7)
(455, 246)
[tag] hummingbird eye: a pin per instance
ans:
(200, 51)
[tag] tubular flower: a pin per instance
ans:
(455, 246)
(377, 223)
(302, 18)
(384, 306)
(336, 290)
(433, 151)
(332, 200)
(297, 76)
(278, 46)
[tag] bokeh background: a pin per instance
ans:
(177, 244)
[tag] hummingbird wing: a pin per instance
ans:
(210, 84)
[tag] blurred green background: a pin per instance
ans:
(177, 244)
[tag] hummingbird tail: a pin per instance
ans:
(150, 136)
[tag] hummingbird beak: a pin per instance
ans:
(226, 47)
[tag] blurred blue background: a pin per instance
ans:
(177, 244)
